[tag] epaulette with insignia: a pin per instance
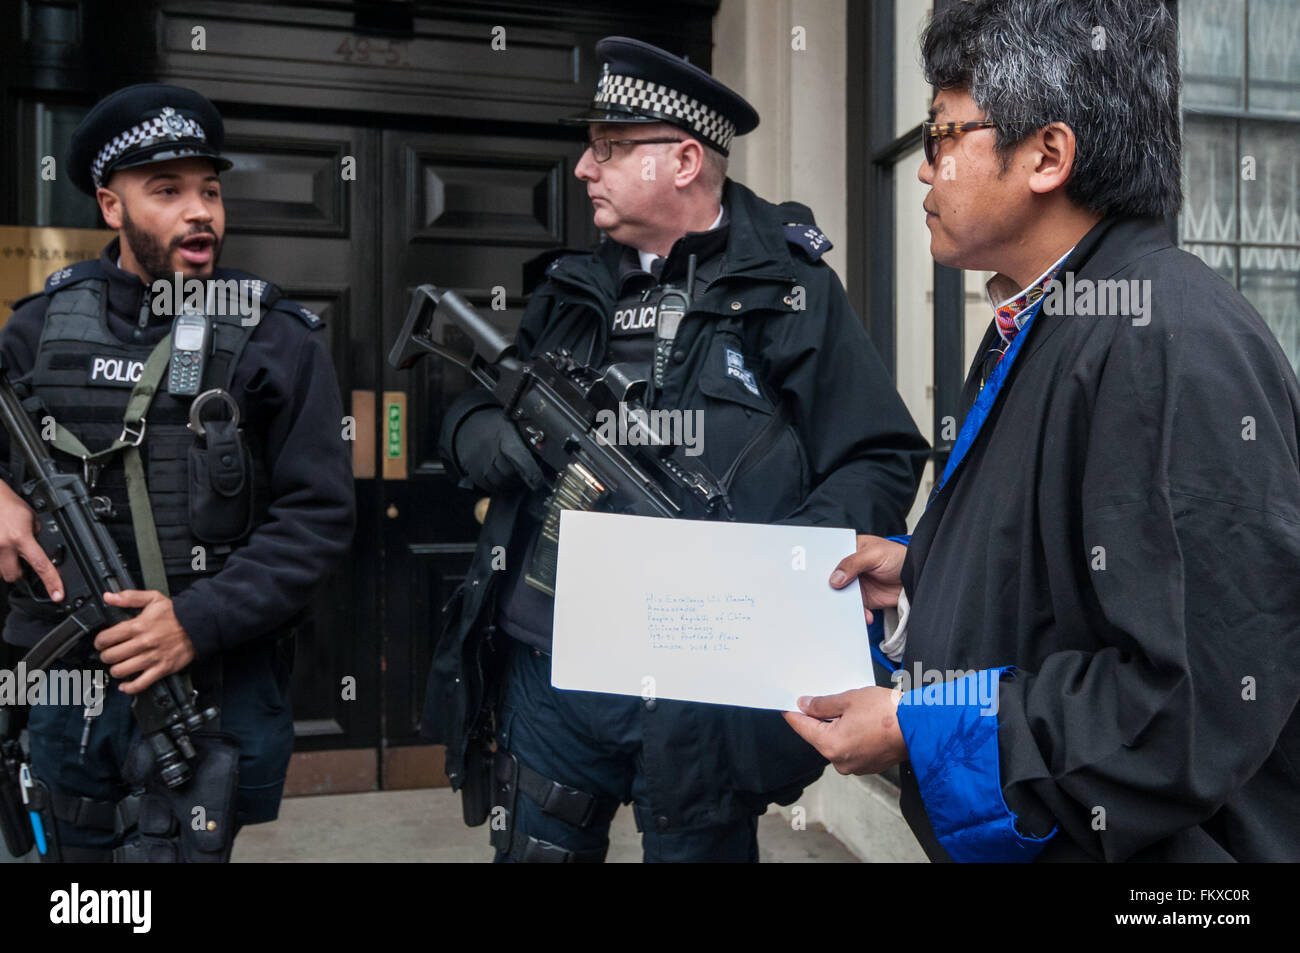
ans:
(267, 292)
(538, 268)
(303, 313)
(74, 273)
(807, 238)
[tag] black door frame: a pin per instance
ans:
(873, 151)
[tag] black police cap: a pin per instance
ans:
(642, 83)
(148, 122)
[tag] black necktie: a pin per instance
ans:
(657, 268)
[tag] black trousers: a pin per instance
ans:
(592, 741)
(255, 708)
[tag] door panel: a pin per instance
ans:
(476, 208)
(289, 185)
(294, 220)
(470, 180)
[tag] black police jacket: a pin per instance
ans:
(851, 457)
(288, 396)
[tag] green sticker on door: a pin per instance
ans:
(394, 431)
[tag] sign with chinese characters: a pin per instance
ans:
(29, 255)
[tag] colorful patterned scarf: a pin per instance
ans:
(1011, 314)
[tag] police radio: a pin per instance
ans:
(190, 332)
(673, 306)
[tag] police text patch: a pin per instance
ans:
(635, 319)
(114, 372)
(736, 368)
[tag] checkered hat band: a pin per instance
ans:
(157, 129)
(636, 93)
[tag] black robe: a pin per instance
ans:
(1125, 533)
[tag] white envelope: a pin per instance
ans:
(729, 613)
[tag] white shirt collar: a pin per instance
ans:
(648, 256)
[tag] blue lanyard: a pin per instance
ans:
(979, 412)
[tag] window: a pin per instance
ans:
(1241, 168)
(47, 134)
(893, 284)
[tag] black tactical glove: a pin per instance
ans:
(491, 453)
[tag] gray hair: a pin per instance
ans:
(1106, 68)
(714, 173)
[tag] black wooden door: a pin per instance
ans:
(295, 218)
(447, 111)
(462, 211)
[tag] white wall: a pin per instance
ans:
(798, 152)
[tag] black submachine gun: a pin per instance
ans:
(88, 560)
(556, 402)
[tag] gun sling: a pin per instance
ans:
(133, 430)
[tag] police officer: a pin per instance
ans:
(245, 512)
(722, 302)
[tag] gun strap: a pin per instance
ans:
(152, 567)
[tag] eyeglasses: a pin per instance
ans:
(932, 132)
(602, 149)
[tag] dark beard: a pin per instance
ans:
(153, 257)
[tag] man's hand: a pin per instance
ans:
(18, 529)
(864, 738)
(878, 564)
(152, 642)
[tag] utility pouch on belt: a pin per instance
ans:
(221, 477)
(192, 824)
(14, 823)
(476, 793)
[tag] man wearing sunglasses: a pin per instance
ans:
(1099, 655)
(800, 421)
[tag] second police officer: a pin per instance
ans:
(239, 525)
(799, 414)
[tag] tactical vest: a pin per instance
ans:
(635, 336)
(82, 379)
(632, 324)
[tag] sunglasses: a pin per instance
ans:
(932, 132)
